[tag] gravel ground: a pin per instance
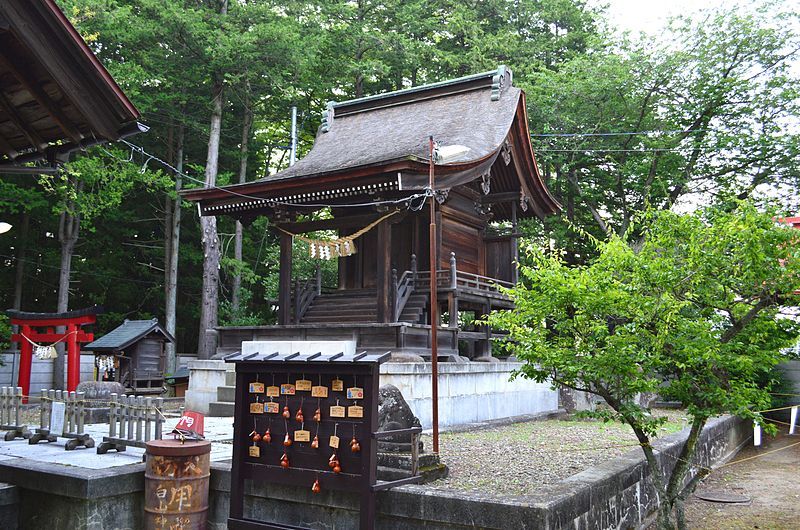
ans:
(767, 475)
(518, 458)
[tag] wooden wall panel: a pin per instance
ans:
(499, 259)
(466, 242)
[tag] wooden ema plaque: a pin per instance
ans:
(305, 463)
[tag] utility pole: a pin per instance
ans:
(434, 309)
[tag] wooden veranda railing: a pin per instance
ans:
(453, 278)
(450, 279)
(304, 293)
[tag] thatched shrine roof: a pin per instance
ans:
(379, 145)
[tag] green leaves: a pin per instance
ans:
(692, 315)
(702, 110)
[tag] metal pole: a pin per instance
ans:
(293, 151)
(434, 310)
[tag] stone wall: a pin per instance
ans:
(469, 392)
(41, 371)
(204, 379)
(61, 496)
(616, 494)
(791, 370)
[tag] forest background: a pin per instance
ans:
(704, 112)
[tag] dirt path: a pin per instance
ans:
(772, 482)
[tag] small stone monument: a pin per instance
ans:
(394, 453)
(98, 395)
(394, 414)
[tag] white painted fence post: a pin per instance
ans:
(756, 434)
(793, 421)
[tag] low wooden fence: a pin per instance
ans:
(61, 414)
(10, 402)
(132, 421)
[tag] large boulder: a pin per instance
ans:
(98, 393)
(394, 414)
(101, 390)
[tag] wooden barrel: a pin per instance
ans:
(176, 484)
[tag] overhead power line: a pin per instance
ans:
(408, 200)
(626, 133)
(642, 150)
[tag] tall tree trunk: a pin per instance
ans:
(237, 243)
(208, 230)
(209, 303)
(168, 202)
(69, 224)
(22, 247)
(173, 246)
(19, 277)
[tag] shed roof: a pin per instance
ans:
(126, 334)
(55, 96)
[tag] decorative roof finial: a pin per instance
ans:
(498, 81)
(327, 116)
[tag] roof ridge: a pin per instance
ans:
(496, 79)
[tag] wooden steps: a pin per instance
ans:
(358, 305)
(343, 306)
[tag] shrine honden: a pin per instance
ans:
(369, 168)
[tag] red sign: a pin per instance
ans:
(191, 421)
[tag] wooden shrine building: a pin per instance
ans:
(374, 152)
(133, 354)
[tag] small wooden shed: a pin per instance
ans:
(133, 354)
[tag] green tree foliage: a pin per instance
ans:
(703, 112)
(724, 76)
(693, 314)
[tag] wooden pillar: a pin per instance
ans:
(383, 276)
(73, 358)
(285, 281)
(452, 295)
(25, 359)
(514, 244)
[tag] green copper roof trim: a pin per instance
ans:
(495, 77)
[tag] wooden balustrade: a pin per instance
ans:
(304, 294)
(133, 421)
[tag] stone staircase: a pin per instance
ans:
(337, 307)
(226, 396)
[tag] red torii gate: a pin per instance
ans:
(41, 327)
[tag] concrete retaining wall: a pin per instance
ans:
(614, 495)
(792, 371)
(469, 392)
(41, 371)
